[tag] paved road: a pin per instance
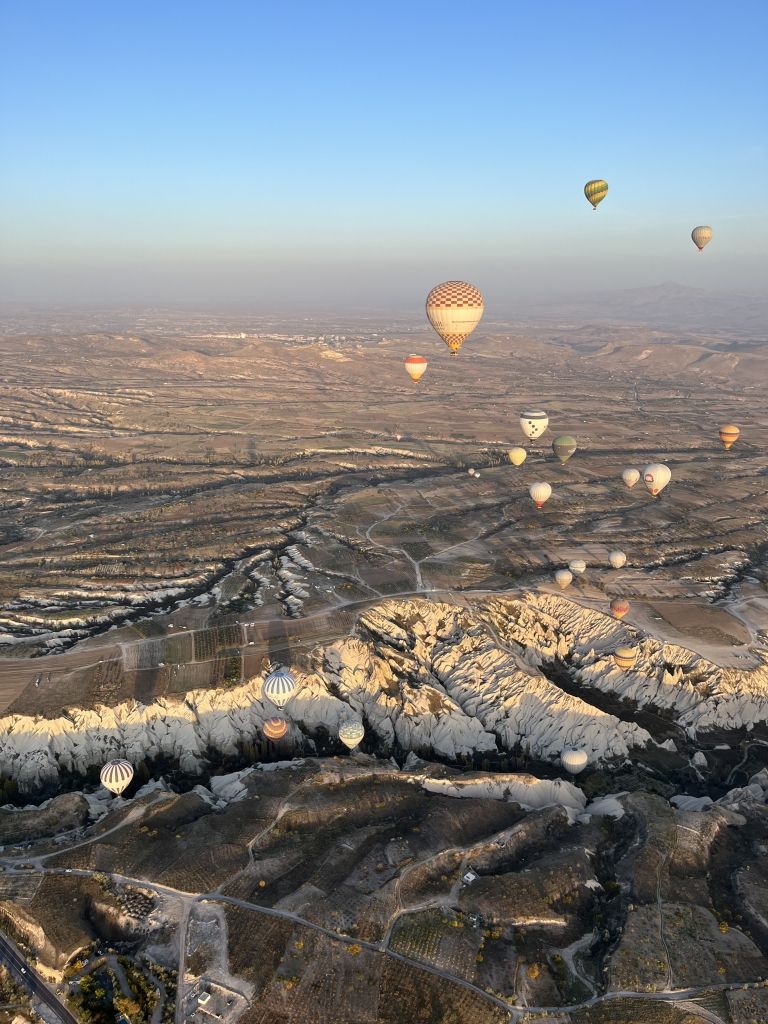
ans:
(11, 957)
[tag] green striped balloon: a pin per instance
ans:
(596, 191)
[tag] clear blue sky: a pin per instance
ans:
(353, 153)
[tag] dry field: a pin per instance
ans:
(174, 474)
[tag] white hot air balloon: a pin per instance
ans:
(540, 492)
(656, 477)
(351, 732)
(617, 559)
(578, 565)
(279, 687)
(563, 578)
(116, 776)
(415, 367)
(630, 477)
(534, 422)
(574, 761)
(701, 236)
(471, 471)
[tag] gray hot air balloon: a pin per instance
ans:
(564, 447)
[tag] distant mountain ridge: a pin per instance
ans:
(665, 305)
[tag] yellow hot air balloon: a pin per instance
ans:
(454, 308)
(416, 367)
(596, 191)
(729, 435)
(702, 235)
(517, 456)
(625, 657)
(275, 728)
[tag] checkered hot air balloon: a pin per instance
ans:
(116, 776)
(279, 687)
(596, 191)
(454, 308)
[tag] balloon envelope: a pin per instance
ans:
(116, 775)
(617, 559)
(415, 366)
(279, 687)
(534, 422)
(578, 565)
(625, 657)
(540, 492)
(596, 190)
(564, 447)
(275, 728)
(454, 309)
(517, 456)
(656, 477)
(351, 733)
(702, 235)
(574, 761)
(630, 477)
(563, 578)
(729, 434)
(619, 607)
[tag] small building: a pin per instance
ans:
(469, 877)
(203, 998)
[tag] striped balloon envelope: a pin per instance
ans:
(455, 308)
(596, 191)
(415, 366)
(729, 435)
(619, 607)
(701, 236)
(279, 687)
(116, 776)
(625, 657)
(275, 728)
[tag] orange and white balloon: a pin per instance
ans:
(619, 607)
(455, 308)
(275, 728)
(729, 435)
(540, 492)
(415, 366)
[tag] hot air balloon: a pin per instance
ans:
(574, 761)
(563, 578)
(630, 477)
(564, 447)
(279, 687)
(702, 235)
(729, 435)
(416, 366)
(625, 657)
(471, 471)
(540, 492)
(596, 191)
(351, 732)
(534, 423)
(454, 309)
(617, 559)
(656, 477)
(517, 456)
(578, 565)
(619, 607)
(116, 776)
(275, 728)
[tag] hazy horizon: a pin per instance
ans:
(352, 158)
